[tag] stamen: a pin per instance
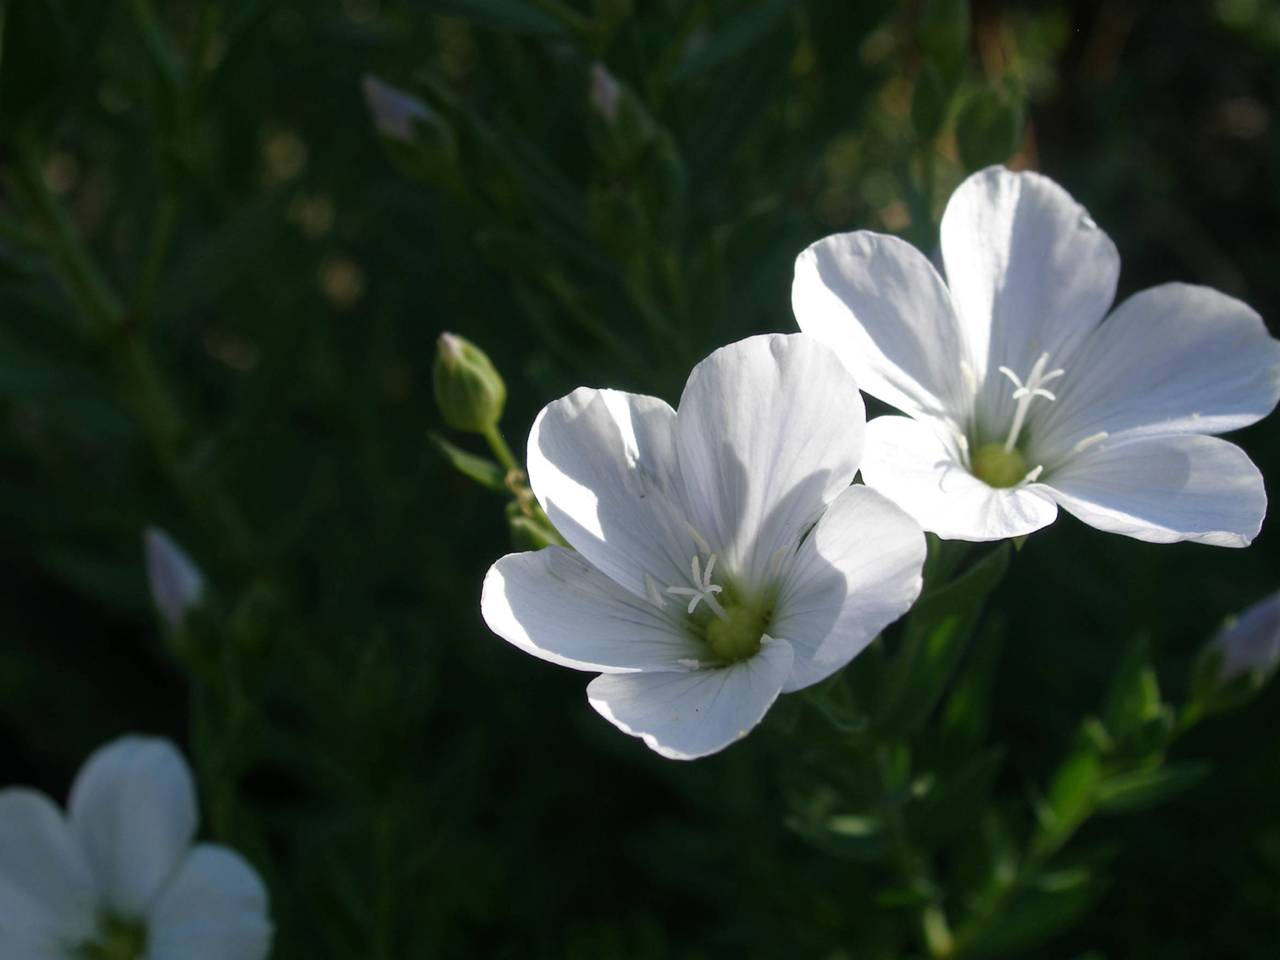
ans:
(691, 664)
(1033, 474)
(654, 595)
(1025, 393)
(1089, 441)
(697, 538)
(702, 589)
(970, 380)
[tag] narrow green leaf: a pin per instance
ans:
(499, 15)
(1140, 789)
(483, 471)
(937, 635)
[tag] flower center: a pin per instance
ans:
(998, 467)
(117, 940)
(735, 630)
(738, 636)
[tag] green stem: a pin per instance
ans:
(157, 248)
(501, 450)
(85, 284)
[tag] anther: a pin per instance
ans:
(654, 595)
(1090, 441)
(697, 538)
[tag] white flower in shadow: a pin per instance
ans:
(117, 877)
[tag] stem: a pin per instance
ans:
(501, 450)
(85, 284)
(157, 248)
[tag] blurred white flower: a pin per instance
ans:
(177, 585)
(392, 109)
(604, 92)
(722, 556)
(1020, 398)
(117, 878)
(1252, 642)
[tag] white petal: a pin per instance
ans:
(688, 715)
(47, 894)
(557, 606)
(880, 304)
(1173, 359)
(603, 466)
(855, 574)
(214, 908)
(1166, 489)
(133, 810)
(769, 431)
(1030, 273)
(909, 464)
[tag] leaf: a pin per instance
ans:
(1133, 698)
(1056, 902)
(962, 726)
(1141, 789)
(483, 471)
(937, 635)
(1073, 793)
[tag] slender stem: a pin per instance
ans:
(501, 450)
(86, 285)
(157, 248)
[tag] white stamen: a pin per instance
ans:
(1025, 393)
(654, 595)
(691, 664)
(1033, 474)
(697, 538)
(765, 639)
(702, 589)
(970, 380)
(1089, 441)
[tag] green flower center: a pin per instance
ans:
(998, 467)
(117, 940)
(738, 635)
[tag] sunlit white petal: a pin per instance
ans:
(908, 463)
(854, 575)
(769, 431)
(1166, 489)
(683, 716)
(557, 606)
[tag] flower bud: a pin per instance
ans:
(177, 586)
(1238, 662)
(393, 110)
(1252, 642)
(469, 391)
(604, 92)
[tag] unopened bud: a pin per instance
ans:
(469, 391)
(1238, 662)
(177, 586)
(393, 110)
(604, 91)
(1252, 642)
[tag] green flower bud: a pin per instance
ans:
(469, 391)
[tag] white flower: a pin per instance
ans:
(1252, 642)
(177, 586)
(117, 878)
(701, 587)
(1020, 399)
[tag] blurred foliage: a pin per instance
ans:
(220, 292)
